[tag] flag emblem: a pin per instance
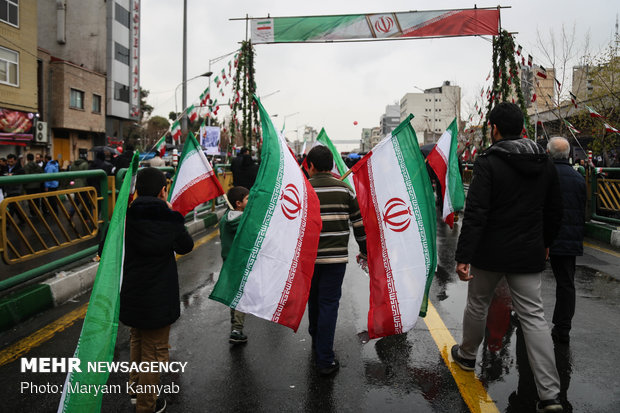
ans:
(397, 215)
(291, 205)
(384, 24)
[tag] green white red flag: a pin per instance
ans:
(593, 113)
(204, 97)
(571, 127)
(270, 265)
(175, 130)
(160, 146)
(192, 113)
(195, 182)
(98, 336)
(610, 128)
(443, 159)
(398, 207)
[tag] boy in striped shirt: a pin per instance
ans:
(338, 207)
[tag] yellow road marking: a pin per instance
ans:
(23, 346)
(474, 394)
(605, 250)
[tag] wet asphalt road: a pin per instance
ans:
(274, 370)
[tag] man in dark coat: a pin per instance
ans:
(150, 291)
(244, 169)
(513, 213)
(123, 160)
(569, 242)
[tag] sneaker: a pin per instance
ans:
(331, 369)
(465, 364)
(160, 406)
(237, 336)
(548, 406)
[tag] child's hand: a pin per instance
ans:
(363, 262)
(169, 204)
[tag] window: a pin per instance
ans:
(121, 53)
(9, 12)
(96, 103)
(9, 63)
(122, 15)
(76, 99)
(121, 92)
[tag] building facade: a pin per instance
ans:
(365, 140)
(18, 75)
(390, 119)
(433, 109)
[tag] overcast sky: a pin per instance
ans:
(334, 85)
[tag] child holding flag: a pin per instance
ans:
(150, 291)
(238, 198)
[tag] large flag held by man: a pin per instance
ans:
(269, 269)
(98, 336)
(398, 207)
(444, 161)
(195, 181)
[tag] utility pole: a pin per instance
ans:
(184, 115)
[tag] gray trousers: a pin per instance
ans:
(525, 290)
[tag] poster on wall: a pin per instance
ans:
(210, 139)
(15, 122)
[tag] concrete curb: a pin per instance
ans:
(603, 232)
(66, 285)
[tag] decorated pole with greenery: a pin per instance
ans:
(506, 82)
(244, 88)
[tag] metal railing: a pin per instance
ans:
(44, 219)
(605, 195)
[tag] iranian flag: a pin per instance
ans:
(571, 127)
(176, 131)
(593, 113)
(610, 128)
(204, 97)
(269, 269)
(98, 336)
(444, 161)
(195, 181)
(192, 113)
(160, 146)
(398, 207)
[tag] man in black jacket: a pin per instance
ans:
(513, 213)
(569, 242)
(150, 291)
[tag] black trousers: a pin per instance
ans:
(563, 267)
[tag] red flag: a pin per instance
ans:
(541, 72)
(593, 113)
(573, 99)
(533, 97)
(610, 128)
(519, 50)
(529, 60)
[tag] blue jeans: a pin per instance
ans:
(323, 303)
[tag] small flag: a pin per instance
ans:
(519, 50)
(217, 81)
(533, 97)
(176, 131)
(610, 128)
(541, 72)
(99, 331)
(571, 127)
(593, 113)
(398, 208)
(192, 113)
(443, 160)
(559, 85)
(573, 99)
(339, 169)
(204, 97)
(160, 146)
(530, 60)
(194, 182)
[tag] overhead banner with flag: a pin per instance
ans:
(398, 207)
(195, 181)
(270, 265)
(98, 336)
(411, 24)
(444, 161)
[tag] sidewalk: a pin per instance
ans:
(606, 233)
(66, 285)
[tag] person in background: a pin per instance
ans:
(124, 159)
(238, 198)
(569, 242)
(51, 167)
(38, 159)
(3, 167)
(32, 167)
(80, 164)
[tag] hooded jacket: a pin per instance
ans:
(150, 289)
(513, 209)
(228, 228)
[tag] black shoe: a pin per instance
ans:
(331, 369)
(548, 406)
(465, 364)
(237, 337)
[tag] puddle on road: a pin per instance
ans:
(199, 294)
(591, 283)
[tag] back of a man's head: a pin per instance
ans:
(558, 148)
(150, 181)
(243, 151)
(48, 157)
(508, 119)
(128, 148)
(100, 155)
(321, 157)
(30, 157)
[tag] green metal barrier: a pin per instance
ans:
(24, 179)
(605, 195)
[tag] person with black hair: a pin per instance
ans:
(238, 199)
(123, 161)
(150, 300)
(244, 169)
(339, 207)
(32, 187)
(512, 215)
